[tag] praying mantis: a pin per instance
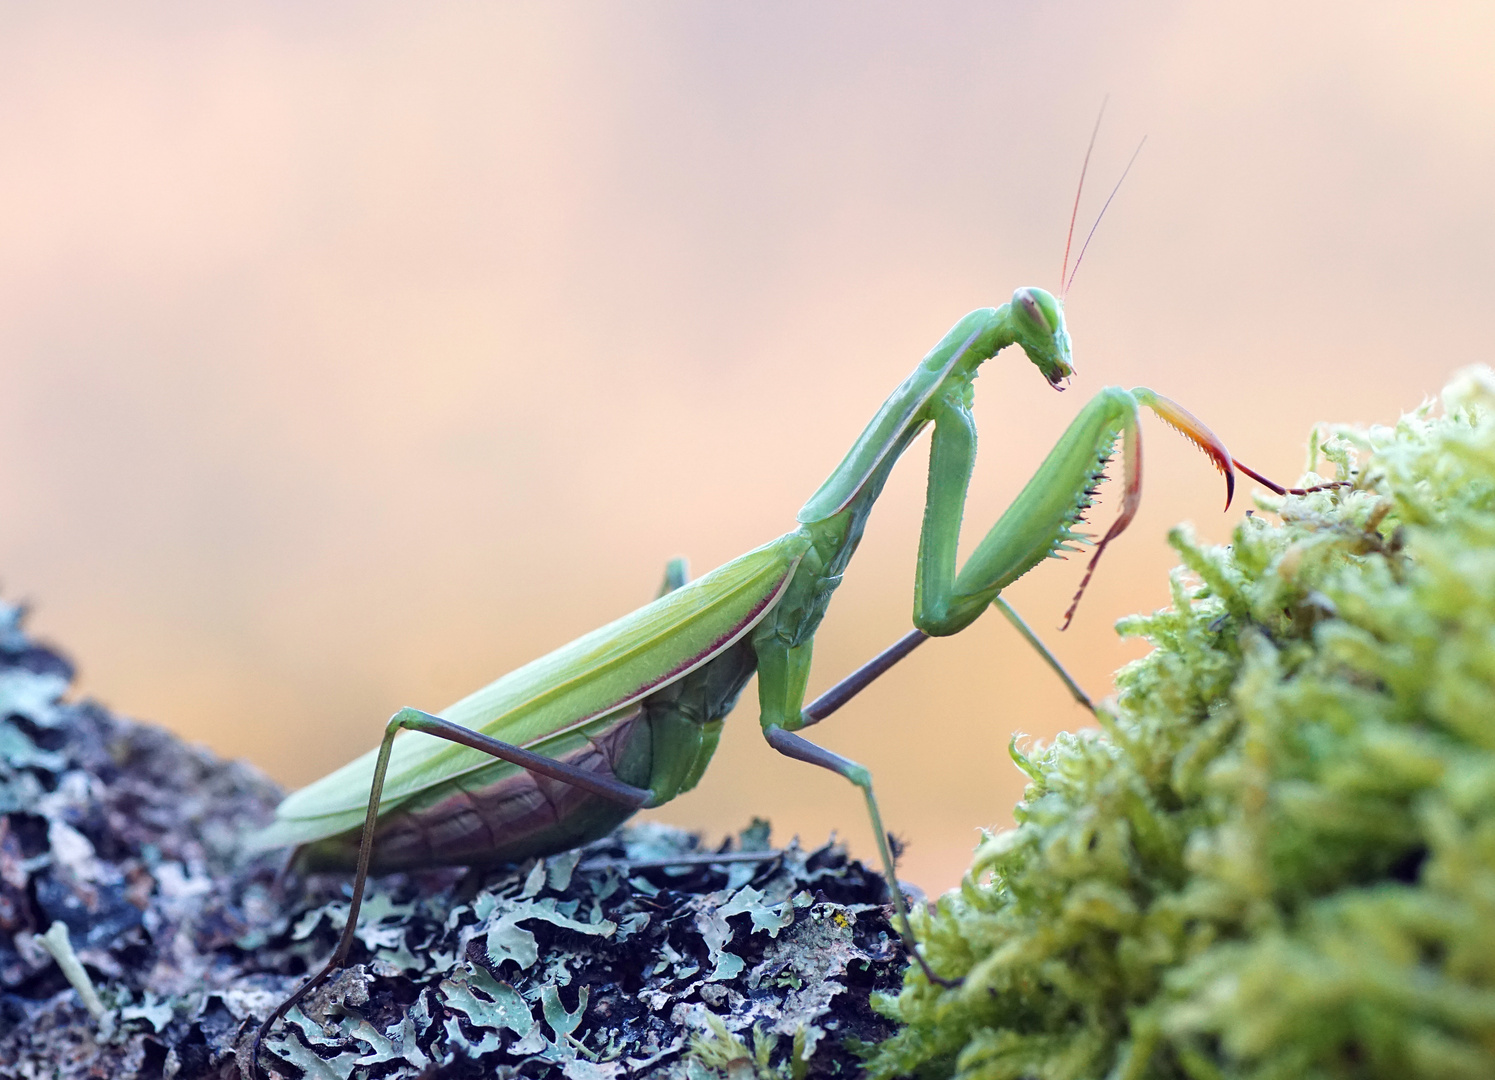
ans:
(559, 752)
(562, 750)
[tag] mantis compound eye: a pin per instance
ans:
(1031, 307)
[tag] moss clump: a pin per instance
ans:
(1278, 858)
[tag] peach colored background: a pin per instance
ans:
(352, 354)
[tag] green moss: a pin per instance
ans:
(1277, 860)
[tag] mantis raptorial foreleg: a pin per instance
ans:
(1029, 530)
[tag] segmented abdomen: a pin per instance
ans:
(500, 814)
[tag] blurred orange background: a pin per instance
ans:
(353, 354)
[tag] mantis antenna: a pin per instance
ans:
(1083, 247)
(1079, 189)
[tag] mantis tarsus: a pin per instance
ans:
(563, 749)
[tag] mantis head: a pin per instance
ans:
(1037, 320)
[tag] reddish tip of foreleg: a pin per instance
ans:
(1280, 490)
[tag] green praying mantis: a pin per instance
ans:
(562, 750)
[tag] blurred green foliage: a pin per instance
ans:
(1277, 859)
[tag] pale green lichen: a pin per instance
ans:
(719, 1052)
(1277, 860)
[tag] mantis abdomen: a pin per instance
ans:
(501, 813)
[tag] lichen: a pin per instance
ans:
(1277, 857)
(597, 965)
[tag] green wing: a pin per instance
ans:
(596, 674)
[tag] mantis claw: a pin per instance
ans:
(1186, 424)
(1192, 428)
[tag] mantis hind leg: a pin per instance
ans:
(415, 720)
